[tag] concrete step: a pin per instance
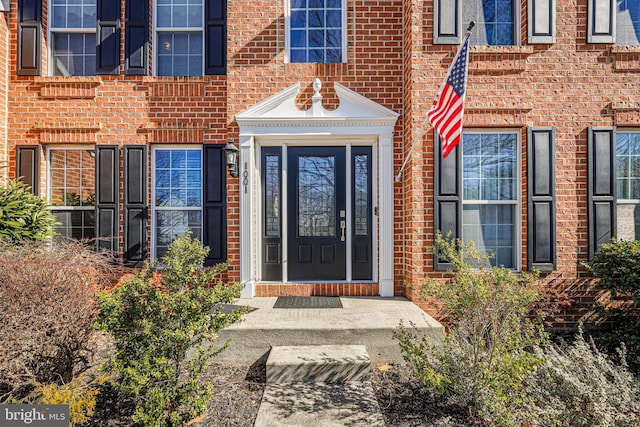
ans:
(318, 364)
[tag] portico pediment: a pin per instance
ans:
(353, 114)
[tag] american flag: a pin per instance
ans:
(446, 112)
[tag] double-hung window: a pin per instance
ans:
(316, 30)
(494, 19)
(72, 191)
(628, 185)
(177, 198)
(179, 42)
(73, 35)
(490, 198)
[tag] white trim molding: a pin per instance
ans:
(278, 120)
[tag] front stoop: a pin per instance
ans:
(319, 386)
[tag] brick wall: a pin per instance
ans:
(4, 89)
(570, 85)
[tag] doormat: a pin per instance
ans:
(308, 302)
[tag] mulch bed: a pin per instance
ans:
(403, 399)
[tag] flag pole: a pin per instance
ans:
(420, 132)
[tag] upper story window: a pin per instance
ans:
(628, 22)
(72, 191)
(490, 197)
(628, 185)
(179, 37)
(495, 21)
(316, 31)
(73, 36)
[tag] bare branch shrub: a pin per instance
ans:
(47, 308)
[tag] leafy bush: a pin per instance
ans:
(47, 309)
(164, 323)
(79, 394)
(486, 353)
(23, 215)
(617, 265)
(580, 386)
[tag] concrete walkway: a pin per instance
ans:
(322, 340)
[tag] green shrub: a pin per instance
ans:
(580, 386)
(23, 215)
(486, 353)
(617, 264)
(164, 323)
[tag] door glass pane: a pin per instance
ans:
(361, 195)
(272, 196)
(316, 196)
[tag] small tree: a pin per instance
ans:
(23, 215)
(487, 349)
(164, 323)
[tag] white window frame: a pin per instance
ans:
(157, 30)
(287, 37)
(620, 201)
(517, 23)
(154, 208)
(49, 187)
(50, 35)
(517, 202)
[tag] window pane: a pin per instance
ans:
(71, 177)
(627, 165)
(361, 194)
(74, 54)
(177, 191)
(628, 22)
(317, 28)
(628, 221)
(180, 54)
(316, 196)
(272, 196)
(492, 229)
(494, 21)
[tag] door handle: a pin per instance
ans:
(343, 225)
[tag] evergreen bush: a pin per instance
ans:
(23, 215)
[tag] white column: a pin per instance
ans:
(247, 235)
(385, 220)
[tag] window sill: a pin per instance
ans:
(626, 58)
(498, 58)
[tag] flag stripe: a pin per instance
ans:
(448, 108)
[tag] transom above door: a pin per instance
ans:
(317, 222)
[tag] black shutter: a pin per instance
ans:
(601, 186)
(107, 197)
(28, 164)
(446, 22)
(215, 204)
(215, 37)
(541, 21)
(108, 37)
(448, 200)
(135, 205)
(136, 37)
(542, 199)
(29, 28)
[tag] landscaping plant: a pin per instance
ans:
(23, 215)
(164, 320)
(487, 350)
(47, 311)
(580, 386)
